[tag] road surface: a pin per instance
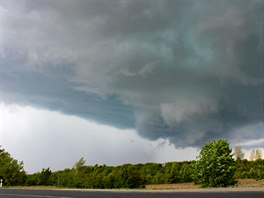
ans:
(26, 193)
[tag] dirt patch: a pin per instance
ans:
(172, 186)
(250, 183)
(240, 184)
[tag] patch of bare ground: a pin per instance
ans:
(250, 183)
(172, 186)
(242, 183)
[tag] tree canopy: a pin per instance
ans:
(11, 171)
(215, 166)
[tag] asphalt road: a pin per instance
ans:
(22, 193)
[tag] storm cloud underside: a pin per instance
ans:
(186, 71)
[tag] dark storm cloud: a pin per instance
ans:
(187, 71)
(54, 92)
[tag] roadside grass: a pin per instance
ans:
(241, 183)
(35, 187)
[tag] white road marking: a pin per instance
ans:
(44, 196)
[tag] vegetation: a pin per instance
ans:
(139, 175)
(124, 176)
(214, 164)
(11, 171)
(249, 169)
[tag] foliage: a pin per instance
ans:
(79, 164)
(134, 175)
(44, 177)
(250, 169)
(11, 171)
(215, 166)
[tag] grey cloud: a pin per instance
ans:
(186, 71)
(249, 144)
(52, 90)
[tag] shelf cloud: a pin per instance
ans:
(185, 71)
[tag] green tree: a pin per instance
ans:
(11, 171)
(215, 166)
(64, 178)
(79, 176)
(174, 176)
(44, 177)
(186, 172)
(80, 163)
(130, 177)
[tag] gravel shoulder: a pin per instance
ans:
(200, 190)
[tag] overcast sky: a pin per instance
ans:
(122, 81)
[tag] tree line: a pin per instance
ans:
(215, 166)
